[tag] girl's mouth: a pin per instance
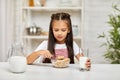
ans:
(59, 37)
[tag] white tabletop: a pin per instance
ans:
(72, 72)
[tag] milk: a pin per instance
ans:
(82, 62)
(17, 64)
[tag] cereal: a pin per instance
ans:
(61, 62)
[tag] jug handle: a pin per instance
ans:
(10, 52)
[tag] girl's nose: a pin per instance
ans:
(59, 33)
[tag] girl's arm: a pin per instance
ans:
(32, 57)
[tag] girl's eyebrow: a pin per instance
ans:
(61, 28)
(64, 28)
(58, 28)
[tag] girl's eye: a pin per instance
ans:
(63, 30)
(55, 30)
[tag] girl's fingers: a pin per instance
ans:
(88, 63)
(88, 60)
(47, 55)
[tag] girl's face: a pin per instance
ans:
(60, 30)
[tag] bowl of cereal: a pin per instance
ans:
(61, 62)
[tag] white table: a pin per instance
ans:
(72, 72)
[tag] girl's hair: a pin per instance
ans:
(69, 38)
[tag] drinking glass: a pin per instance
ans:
(83, 59)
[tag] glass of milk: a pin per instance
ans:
(83, 60)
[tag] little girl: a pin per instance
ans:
(60, 42)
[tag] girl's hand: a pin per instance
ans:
(88, 64)
(45, 54)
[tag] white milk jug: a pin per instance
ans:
(17, 64)
(16, 58)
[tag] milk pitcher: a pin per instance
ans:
(16, 59)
